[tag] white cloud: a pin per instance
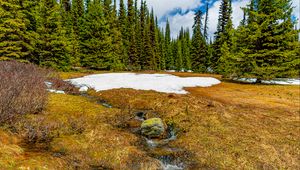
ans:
(237, 14)
(177, 21)
(163, 7)
(187, 19)
(296, 11)
(213, 14)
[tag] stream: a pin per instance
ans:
(169, 157)
(154, 147)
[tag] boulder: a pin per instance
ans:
(153, 128)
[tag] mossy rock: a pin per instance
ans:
(153, 128)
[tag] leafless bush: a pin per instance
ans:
(22, 90)
(60, 84)
(38, 130)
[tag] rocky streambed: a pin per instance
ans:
(154, 133)
(155, 136)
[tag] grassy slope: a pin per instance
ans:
(82, 135)
(228, 126)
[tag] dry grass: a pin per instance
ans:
(13, 156)
(84, 135)
(228, 126)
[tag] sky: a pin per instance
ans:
(180, 13)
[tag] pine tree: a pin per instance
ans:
(186, 50)
(77, 22)
(162, 50)
(122, 24)
(110, 14)
(51, 47)
(222, 34)
(132, 44)
(138, 33)
(198, 45)
(67, 26)
(205, 32)
(149, 52)
(153, 41)
(169, 58)
(158, 54)
(15, 40)
(179, 59)
(273, 51)
(96, 45)
(66, 4)
(143, 34)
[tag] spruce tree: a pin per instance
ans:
(138, 33)
(143, 33)
(169, 58)
(122, 24)
(205, 30)
(66, 4)
(198, 45)
(179, 59)
(96, 45)
(153, 41)
(162, 50)
(186, 50)
(222, 35)
(273, 51)
(51, 47)
(116, 52)
(77, 22)
(149, 52)
(15, 40)
(131, 38)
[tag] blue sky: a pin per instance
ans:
(181, 12)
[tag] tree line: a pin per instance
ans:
(97, 34)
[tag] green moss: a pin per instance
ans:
(152, 122)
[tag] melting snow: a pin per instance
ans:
(159, 82)
(56, 91)
(280, 81)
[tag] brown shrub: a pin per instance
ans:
(65, 86)
(22, 90)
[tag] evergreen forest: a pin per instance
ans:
(101, 35)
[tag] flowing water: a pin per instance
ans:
(168, 162)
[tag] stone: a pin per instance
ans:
(153, 128)
(141, 115)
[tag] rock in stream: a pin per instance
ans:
(153, 128)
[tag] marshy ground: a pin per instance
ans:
(226, 126)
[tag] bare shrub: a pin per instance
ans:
(38, 130)
(58, 83)
(65, 86)
(22, 90)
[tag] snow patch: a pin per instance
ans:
(56, 91)
(158, 82)
(83, 89)
(279, 81)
